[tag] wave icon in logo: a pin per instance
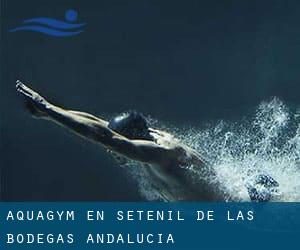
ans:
(53, 27)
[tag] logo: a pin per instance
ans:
(53, 27)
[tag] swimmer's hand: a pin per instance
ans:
(35, 103)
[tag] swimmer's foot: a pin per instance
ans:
(34, 103)
(264, 188)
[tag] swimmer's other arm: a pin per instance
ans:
(95, 129)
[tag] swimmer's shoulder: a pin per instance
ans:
(185, 155)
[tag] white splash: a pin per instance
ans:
(268, 142)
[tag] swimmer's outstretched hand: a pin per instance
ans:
(35, 103)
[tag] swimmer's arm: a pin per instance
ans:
(142, 150)
(83, 124)
(34, 100)
(87, 115)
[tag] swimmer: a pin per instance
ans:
(129, 136)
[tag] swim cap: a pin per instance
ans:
(132, 125)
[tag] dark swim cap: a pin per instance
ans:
(132, 125)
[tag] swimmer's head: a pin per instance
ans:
(132, 125)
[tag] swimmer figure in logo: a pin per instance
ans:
(129, 135)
